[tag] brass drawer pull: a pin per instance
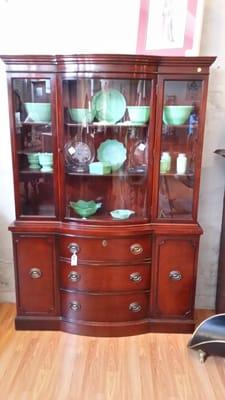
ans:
(136, 249)
(175, 275)
(74, 248)
(74, 276)
(135, 307)
(135, 277)
(35, 273)
(75, 306)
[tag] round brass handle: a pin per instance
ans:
(135, 277)
(136, 249)
(73, 248)
(74, 276)
(135, 307)
(75, 306)
(35, 273)
(175, 275)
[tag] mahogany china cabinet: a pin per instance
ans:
(106, 161)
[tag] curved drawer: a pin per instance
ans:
(108, 249)
(105, 278)
(104, 308)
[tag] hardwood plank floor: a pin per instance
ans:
(59, 366)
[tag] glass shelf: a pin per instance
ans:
(36, 123)
(114, 174)
(175, 174)
(35, 172)
(126, 124)
(106, 218)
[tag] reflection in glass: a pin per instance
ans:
(180, 127)
(34, 146)
(106, 145)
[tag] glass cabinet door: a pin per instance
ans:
(179, 135)
(106, 147)
(34, 147)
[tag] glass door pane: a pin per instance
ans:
(34, 146)
(106, 138)
(180, 129)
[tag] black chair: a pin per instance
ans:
(209, 337)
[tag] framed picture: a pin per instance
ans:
(170, 27)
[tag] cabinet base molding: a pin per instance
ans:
(32, 323)
(102, 329)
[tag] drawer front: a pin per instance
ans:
(176, 277)
(111, 250)
(105, 278)
(35, 271)
(104, 308)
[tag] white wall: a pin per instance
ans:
(213, 171)
(98, 26)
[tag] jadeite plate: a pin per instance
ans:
(109, 105)
(112, 152)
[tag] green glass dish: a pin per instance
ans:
(121, 214)
(113, 153)
(109, 105)
(85, 208)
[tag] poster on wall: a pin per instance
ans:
(170, 27)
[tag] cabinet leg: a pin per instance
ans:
(202, 356)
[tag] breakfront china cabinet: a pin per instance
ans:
(106, 160)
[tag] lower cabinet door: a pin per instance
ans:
(175, 277)
(35, 263)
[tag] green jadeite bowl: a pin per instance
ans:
(38, 112)
(176, 115)
(139, 114)
(81, 115)
(121, 214)
(85, 208)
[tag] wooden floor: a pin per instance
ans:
(61, 366)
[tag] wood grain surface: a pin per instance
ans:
(54, 365)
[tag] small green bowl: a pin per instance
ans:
(85, 208)
(121, 214)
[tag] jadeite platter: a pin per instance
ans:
(113, 153)
(109, 105)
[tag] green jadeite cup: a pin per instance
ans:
(46, 161)
(33, 160)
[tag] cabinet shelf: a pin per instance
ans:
(116, 174)
(36, 123)
(107, 218)
(35, 172)
(175, 174)
(126, 124)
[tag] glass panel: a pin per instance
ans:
(106, 148)
(34, 146)
(180, 127)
